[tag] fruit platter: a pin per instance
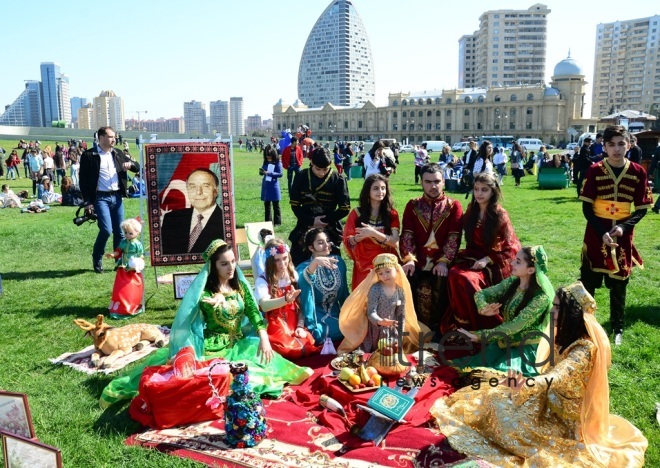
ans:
(360, 379)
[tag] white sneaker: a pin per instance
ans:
(618, 339)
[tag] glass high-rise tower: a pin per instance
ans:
(336, 65)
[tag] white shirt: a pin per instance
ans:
(479, 166)
(370, 165)
(207, 215)
(108, 177)
(262, 290)
(499, 158)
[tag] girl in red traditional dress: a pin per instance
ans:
(277, 294)
(373, 228)
(485, 260)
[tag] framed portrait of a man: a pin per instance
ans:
(189, 198)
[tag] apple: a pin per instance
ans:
(387, 351)
(362, 385)
(346, 373)
(371, 371)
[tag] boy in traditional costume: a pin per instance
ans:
(615, 196)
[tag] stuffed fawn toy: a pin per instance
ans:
(117, 342)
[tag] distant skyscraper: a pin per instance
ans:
(194, 117)
(336, 65)
(467, 61)
(50, 72)
(625, 50)
(108, 111)
(219, 111)
(26, 108)
(76, 103)
(237, 125)
(509, 48)
(63, 101)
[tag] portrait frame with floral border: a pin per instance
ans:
(167, 167)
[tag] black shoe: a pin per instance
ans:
(655, 210)
(98, 269)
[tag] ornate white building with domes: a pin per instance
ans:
(552, 113)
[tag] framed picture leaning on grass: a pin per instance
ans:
(15, 417)
(21, 452)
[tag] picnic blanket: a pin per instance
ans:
(81, 360)
(302, 433)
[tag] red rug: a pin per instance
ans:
(302, 433)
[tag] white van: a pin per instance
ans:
(582, 137)
(434, 145)
(530, 144)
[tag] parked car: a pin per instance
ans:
(461, 146)
(406, 149)
(571, 146)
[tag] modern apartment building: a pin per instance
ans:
(253, 123)
(219, 121)
(76, 103)
(508, 49)
(26, 108)
(85, 116)
(52, 102)
(108, 110)
(194, 117)
(627, 66)
(63, 100)
(236, 122)
(50, 73)
(467, 61)
(336, 65)
(173, 125)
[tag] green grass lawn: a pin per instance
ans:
(45, 263)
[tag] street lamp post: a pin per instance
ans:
(139, 120)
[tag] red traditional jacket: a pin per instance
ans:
(614, 200)
(431, 231)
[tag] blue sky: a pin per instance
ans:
(156, 55)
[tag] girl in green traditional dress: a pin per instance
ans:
(211, 320)
(524, 300)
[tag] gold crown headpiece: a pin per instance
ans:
(580, 294)
(210, 250)
(385, 260)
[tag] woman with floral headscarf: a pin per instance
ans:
(210, 319)
(559, 418)
(524, 300)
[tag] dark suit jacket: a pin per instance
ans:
(175, 231)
